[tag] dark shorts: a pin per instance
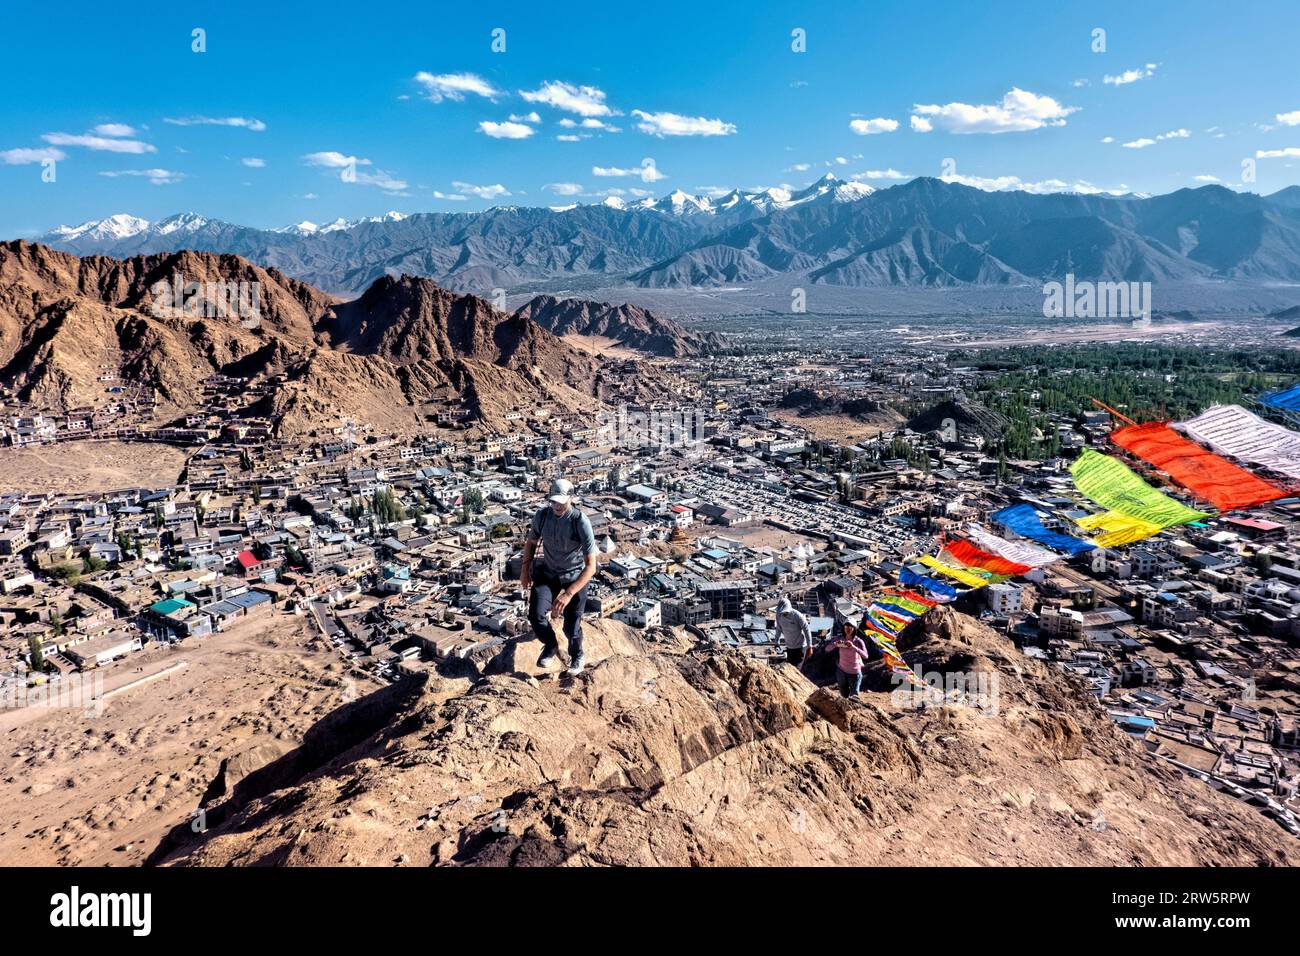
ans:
(849, 684)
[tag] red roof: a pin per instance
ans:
(1259, 524)
(247, 560)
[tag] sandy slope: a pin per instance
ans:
(78, 789)
(78, 467)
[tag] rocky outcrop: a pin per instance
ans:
(666, 752)
(389, 359)
(969, 417)
(629, 325)
(808, 401)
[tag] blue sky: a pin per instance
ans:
(712, 93)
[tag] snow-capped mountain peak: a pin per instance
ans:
(309, 228)
(119, 226)
(181, 222)
(304, 228)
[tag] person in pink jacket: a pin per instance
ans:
(848, 670)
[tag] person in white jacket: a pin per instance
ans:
(794, 630)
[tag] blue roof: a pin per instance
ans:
(249, 599)
(1133, 720)
(222, 607)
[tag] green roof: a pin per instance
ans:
(170, 606)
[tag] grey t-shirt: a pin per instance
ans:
(566, 541)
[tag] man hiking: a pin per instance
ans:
(557, 582)
(793, 627)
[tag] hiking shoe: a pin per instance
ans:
(547, 658)
(576, 666)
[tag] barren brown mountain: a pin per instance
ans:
(402, 351)
(665, 752)
(629, 325)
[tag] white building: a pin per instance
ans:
(642, 614)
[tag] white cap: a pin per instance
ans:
(561, 491)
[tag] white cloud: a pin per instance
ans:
(1130, 76)
(879, 174)
(647, 171)
(1079, 83)
(570, 138)
(256, 125)
(869, 127)
(253, 162)
(24, 156)
(1206, 178)
(114, 129)
(583, 100)
(920, 124)
(674, 124)
(1146, 141)
(1108, 139)
(1004, 183)
(482, 192)
(1018, 112)
(454, 86)
(310, 196)
(564, 189)
(1289, 119)
(451, 197)
(105, 143)
(506, 130)
(385, 181)
(525, 118)
(1289, 151)
(799, 168)
(333, 160)
(158, 177)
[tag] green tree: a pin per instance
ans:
(69, 572)
(474, 501)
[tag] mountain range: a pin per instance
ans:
(392, 358)
(923, 233)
